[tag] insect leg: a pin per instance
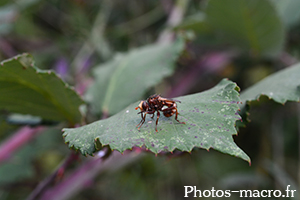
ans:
(176, 117)
(142, 121)
(151, 112)
(158, 114)
(144, 118)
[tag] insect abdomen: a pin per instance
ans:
(169, 113)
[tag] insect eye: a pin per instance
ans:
(145, 105)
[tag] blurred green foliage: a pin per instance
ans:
(244, 44)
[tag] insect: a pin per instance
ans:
(156, 103)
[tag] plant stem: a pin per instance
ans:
(174, 19)
(140, 22)
(53, 177)
(95, 41)
(17, 140)
(77, 180)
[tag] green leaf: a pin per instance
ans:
(289, 11)
(249, 24)
(42, 93)
(126, 78)
(210, 117)
(281, 86)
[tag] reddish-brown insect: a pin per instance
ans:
(156, 103)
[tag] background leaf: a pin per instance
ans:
(289, 12)
(209, 117)
(29, 90)
(125, 79)
(281, 86)
(250, 24)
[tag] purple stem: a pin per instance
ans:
(82, 79)
(85, 65)
(62, 67)
(82, 177)
(53, 177)
(17, 140)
